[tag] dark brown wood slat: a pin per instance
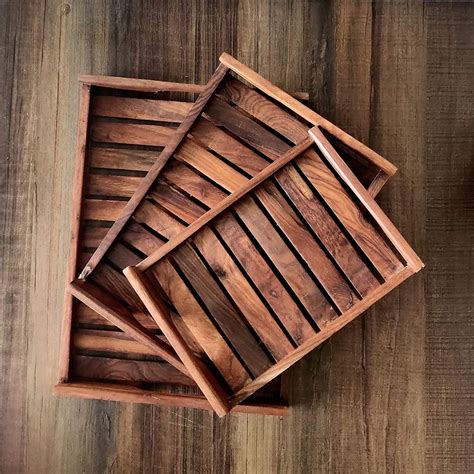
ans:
(305, 245)
(192, 183)
(222, 311)
(84, 315)
(121, 159)
(361, 230)
(91, 236)
(108, 368)
(200, 326)
(285, 261)
(108, 185)
(327, 230)
(130, 133)
(245, 298)
(222, 113)
(176, 203)
(270, 286)
(158, 220)
(214, 138)
(115, 283)
(140, 238)
(122, 256)
(140, 109)
(208, 164)
(101, 210)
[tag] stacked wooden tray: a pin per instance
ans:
(248, 246)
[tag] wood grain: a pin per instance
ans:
(400, 70)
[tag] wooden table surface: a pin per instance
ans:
(390, 393)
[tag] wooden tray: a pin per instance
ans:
(296, 249)
(117, 151)
(98, 360)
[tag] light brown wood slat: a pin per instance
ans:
(82, 314)
(91, 236)
(361, 230)
(140, 109)
(305, 245)
(222, 311)
(121, 159)
(121, 256)
(102, 209)
(214, 138)
(270, 286)
(285, 261)
(192, 183)
(140, 238)
(200, 326)
(108, 368)
(323, 225)
(158, 220)
(245, 298)
(108, 185)
(130, 133)
(176, 203)
(110, 342)
(208, 164)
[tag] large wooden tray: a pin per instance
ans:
(120, 137)
(98, 360)
(281, 259)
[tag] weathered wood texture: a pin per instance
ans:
(392, 392)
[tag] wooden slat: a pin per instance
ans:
(336, 243)
(121, 256)
(270, 287)
(140, 109)
(214, 138)
(208, 164)
(243, 295)
(91, 236)
(140, 238)
(222, 311)
(305, 245)
(192, 183)
(131, 133)
(200, 326)
(127, 394)
(102, 210)
(108, 368)
(158, 220)
(286, 263)
(176, 203)
(121, 159)
(108, 185)
(72, 261)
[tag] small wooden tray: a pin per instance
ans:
(295, 250)
(98, 360)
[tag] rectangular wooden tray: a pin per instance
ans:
(296, 249)
(120, 136)
(98, 360)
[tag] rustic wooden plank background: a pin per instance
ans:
(390, 393)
